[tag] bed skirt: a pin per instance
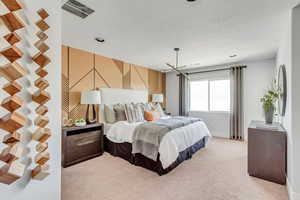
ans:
(123, 150)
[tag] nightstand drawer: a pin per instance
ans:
(82, 144)
(83, 139)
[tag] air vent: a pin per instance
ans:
(77, 8)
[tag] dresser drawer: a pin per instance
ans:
(81, 145)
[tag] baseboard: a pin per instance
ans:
(292, 195)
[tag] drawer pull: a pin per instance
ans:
(85, 143)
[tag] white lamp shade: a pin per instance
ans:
(157, 98)
(90, 97)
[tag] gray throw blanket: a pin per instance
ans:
(147, 136)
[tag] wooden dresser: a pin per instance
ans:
(267, 149)
(81, 143)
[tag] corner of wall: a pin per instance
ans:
(291, 193)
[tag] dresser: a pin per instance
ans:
(267, 149)
(81, 143)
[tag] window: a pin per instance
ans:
(210, 95)
(199, 95)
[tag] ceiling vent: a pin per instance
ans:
(77, 8)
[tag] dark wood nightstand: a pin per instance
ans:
(81, 143)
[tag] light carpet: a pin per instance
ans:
(218, 172)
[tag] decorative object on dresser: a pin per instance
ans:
(269, 100)
(81, 143)
(10, 168)
(267, 151)
(41, 97)
(91, 98)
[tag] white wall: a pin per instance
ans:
(172, 93)
(296, 97)
(217, 123)
(25, 188)
(258, 78)
(288, 54)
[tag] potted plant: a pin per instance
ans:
(80, 122)
(269, 100)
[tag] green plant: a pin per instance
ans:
(270, 97)
(79, 121)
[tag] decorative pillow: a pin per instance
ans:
(109, 113)
(120, 112)
(142, 107)
(129, 111)
(134, 112)
(148, 107)
(151, 115)
(139, 112)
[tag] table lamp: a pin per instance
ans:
(92, 98)
(157, 98)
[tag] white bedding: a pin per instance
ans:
(172, 143)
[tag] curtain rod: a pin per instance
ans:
(213, 70)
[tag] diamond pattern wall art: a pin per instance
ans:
(41, 97)
(12, 169)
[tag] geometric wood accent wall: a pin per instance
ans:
(82, 70)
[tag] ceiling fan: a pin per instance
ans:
(176, 67)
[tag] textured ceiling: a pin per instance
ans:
(144, 32)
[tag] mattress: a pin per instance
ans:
(107, 126)
(171, 145)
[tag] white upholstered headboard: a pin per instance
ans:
(113, 96)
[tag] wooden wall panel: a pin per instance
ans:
(85, 71)
(153, 81)
(65, 60)
(138, 81)
(110, 70)
(80, 64)
(143, 73)
(126, 75)
(100, 82)
(85, 83)
(65, 82)
(164, 88)
(157, 83)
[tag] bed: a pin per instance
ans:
(175, 147)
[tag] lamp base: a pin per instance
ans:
(94, 117)
(91, 122)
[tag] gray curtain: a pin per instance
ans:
(183, 95)
(236, 108)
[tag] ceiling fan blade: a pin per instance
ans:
(175, 69)
(172, 66)
(166, 70)
(181, 67)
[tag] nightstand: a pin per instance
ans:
(81, 143)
